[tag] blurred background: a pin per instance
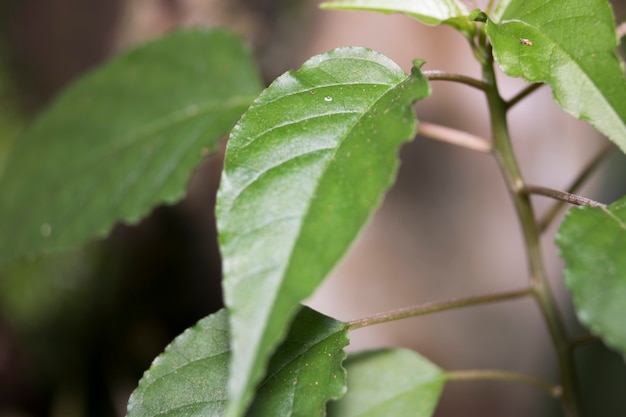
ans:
(77, 330)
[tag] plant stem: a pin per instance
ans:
(436, 75)
(562, 196)
(523, 94)
(434, 307)
(488, 374)
(542, 293)
(585, 174)
(585, 339)
(455, 137)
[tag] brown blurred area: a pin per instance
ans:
(446, 229)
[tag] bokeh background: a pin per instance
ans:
(77, 330)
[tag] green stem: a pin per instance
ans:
(582, 178)
(489, 374)
(542, 293)
(523, 94)
(436, 75)
(435, 307)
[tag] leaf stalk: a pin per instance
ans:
(523, 94)
(490, 374)
(436, 75)
(582, 178)
(454, 137)
(435, 307)
(562, 196)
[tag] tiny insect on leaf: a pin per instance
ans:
(526, 42)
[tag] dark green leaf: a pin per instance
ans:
(592, 242)
(571, 46)
(305, 167)
(190, 377)
(430, 12)
(121, 140)
(389, 382)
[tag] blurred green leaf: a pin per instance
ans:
(389, 382)
(190, 377)
(121, 140)
(305, 167)
(592, 242)
(430, 12)
(572, 47)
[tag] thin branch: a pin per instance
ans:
(562, 196)
(582, 178)
(435, 75)
(487, 374)
(621, 30)
(584, 339)
(523, 94)
(455, 137)
(434, 307)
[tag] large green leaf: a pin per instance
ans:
(430, 12)
(389, 382)
(592, 242)
(571, 46)
(305, 167)
(190, 377)
(122, 139)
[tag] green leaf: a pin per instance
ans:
(592, 242)
(305, 167)
(430, 12)
(571, 47)
(190, 377)
(389, 382)
(121, 140)
(306, 370)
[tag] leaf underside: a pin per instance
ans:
(592, 241)
(389, 382)
(121, 140)
(573, 49)
(305, 167)
(430, 12)
(190, 376)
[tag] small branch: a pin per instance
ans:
(523, 94)
(473, 375)
(562, 196)
(435, 75)
(582, 178)
(621, 30)
(584, 339)
(455, 137)
(434, 307)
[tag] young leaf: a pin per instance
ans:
(430, 12)
(592, 242)
(190, 377)
(305, 167)
(121, 140)
(572, 48)
(389, 382)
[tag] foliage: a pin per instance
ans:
(305, 167)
